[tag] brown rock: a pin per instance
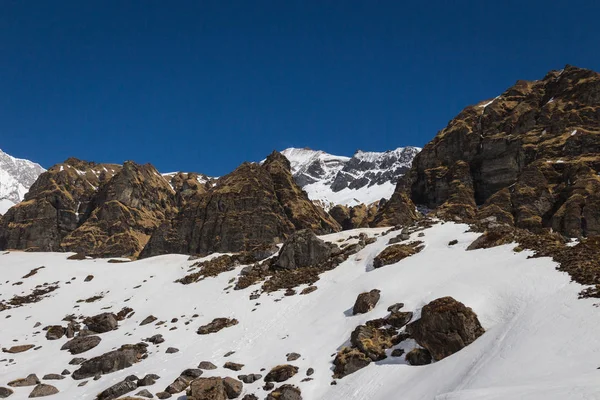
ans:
(112, 361)
(303, 249)
(18, 349)
(207, 389)
(233, 366)
(418, 357)
(43, 390)
(365, 302)
(117, 390)
(216, 325)
(445, 327)
(395, 253)
(5, 392)
(281, 373)
(81, 344)
(285, 392)
(31, 380)
(55, 332)
(233, 387)
(102, 323)
(349, 360)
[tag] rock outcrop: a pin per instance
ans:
(365, 302)
(445, 327)
(303, 249)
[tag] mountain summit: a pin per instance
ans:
(16, 177)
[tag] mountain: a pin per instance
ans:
(366, 177)
(16, 177)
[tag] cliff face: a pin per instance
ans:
(529, 157)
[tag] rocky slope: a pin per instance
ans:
(528, 158)
(366, 177)
(16, 177)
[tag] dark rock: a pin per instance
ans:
(365, 302)
(250, 397)
(18, 349)
(268, 386)
(117, 390)
(395, 307)
(148, 320)
(251, 378)
(445, 327)
(80, 345)
(207, 389)
(112, 361)
(398, 319)
(285, 392)
(5, 392)
(418, 357)
(303, 249)
(156, 339)
(310, 371)
(192, 372)
(348, 361)
(164, 395)
(397, 353)
(281, 373)
(216, 325)
(66, 372)
(395, 253)
(55, 332)
(293, 356)
(371, 341)
(43, 390)
(233, 387)
(172, 350)
(55, 377)
(145, 393)
(148, 380)
(233, 366)
(31, 380)
(88, 278)
(207, 365)
(77, 361)
(102, 323)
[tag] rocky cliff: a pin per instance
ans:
(16, 177)
(528, 157)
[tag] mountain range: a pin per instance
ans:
(16, 177)
(476, 278)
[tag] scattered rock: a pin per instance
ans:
(112, 361)
(268, 386)
(117, 390)
(18, 349)
(165, 395)
(207, 365)
(233, 387)
(81, 344)
(207, 389)
(43, 390)
(310, 371)
(398, 319)
(365, 302)
(397, 353)
(348, 361)
(88, 278)
(249, 379)
(172, 350)
(216, 325)
(102, 323)
(148, 320)
(53, 377)
(285, 392)
(250, 397)
(445, 327)
(148, 380)
(5, 392)
(77, 361)
(65, 372)
(395, 307)
(145, 393)
(31, 380)
(281, 373)
(293, 356)
(156, 339)
(418, 357)
(452, 242)
(303, 249)
(395, 253)
(233, 366)
(55, 332)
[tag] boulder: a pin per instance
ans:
(285, 392)
(349, 360)
(117, 390)
(207, 365)
(418, 357)
(216, 325)
(5, 392)
(30, 380)
(53, 377)
(281, 373)
(55, 332)
(233, 387)
(395, 253)
(18, 349)
(445, 327)
(207, 389)
(365, 302)
(43, 390)
(115, 360)
(81, 344)
(371, 341)
(102, 323)
(303, 249)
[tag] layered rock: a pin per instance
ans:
(359, 216)
(252, 206)
(527, 157)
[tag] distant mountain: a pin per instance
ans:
(16, 177)
(366, 177)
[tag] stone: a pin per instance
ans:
(164, 395)
(207, 365)
(365, 302)
(371, 341)
(292, 357)
(148, 320)
(233, 366)
(65, 372)
(55, 332)
(117, 390)
(172, 350)
(18, 349)
(281, 373)
(445, 327)
(5, 392)
(303, 249)
(310, 371)
(102, 323)
(216, 325)
(207, 389)
(250, 397)
(77, 361)
(156, 339)
(398, 319)
(51, 377)
(233, 387)
(349, 360)
(145, 393)
(418, 357)
(82, 344)
(43, 390)
(395, 307)
(285, 392)
(115, 360)
(148, 380)
(30, 380)
(397, 352)
(394, 253)
(249, 379)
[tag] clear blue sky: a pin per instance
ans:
(205, 85)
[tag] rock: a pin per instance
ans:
(102, 323)
(348, 361)
(250, 397)
(394, 253)
(303, 249)
(164, 395)
(310, 371)
(233, 366)
(31, 380)
(43, 390)
(51, 377)
(397, 353)
(179, 384)
(80, 345)
(145, 393)
(285, 392)
(5, 392)
(216, 325)
(83, 383)
(398, 319)
(65, 372)
(18, 349)
(148, 320)
(359, 216)
(418, 357)
(207, 365)
(148, 380)
(292, 356)
(233, 387)
(445, 327)
(172, 350)
(281, 373)
(77, 361)
(156, 339)
(117, 390)
(55, 332)
(371, 341)
(192, 372)
(112, 361)
(398, 210)
(207, 389)
(365, 302)
(268, 386)
(88, 278)
(395, 307)
(249, 379)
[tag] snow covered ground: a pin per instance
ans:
(541, 341)
(5, 204)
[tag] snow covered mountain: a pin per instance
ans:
(540, 340)
(16, 177)
(366, 177)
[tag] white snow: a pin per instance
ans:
(574, 132)
(5, 204)
(16, 177)
(541, 343)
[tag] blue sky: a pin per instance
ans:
(205, 85)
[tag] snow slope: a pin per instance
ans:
(541, 342)
(16, 177)
(366, 177)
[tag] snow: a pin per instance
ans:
(541, 340)
(16, 177)
(5, 204)
(327, 198)
(574, 132)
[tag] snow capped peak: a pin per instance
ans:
(366, 177)
(16, 177)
